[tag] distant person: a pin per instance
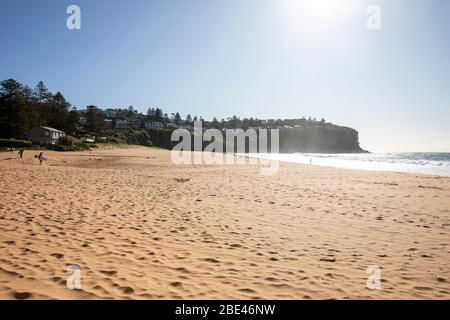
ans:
(310, 161)
(11, 149)
(20, 153)
(41, 158)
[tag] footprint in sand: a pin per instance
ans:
(108, 273)
(247, 290)
(328, 259)
(182, 269)
(212, 260)
(126, 290)
(58, 280)
(22, 295)
(176, 284)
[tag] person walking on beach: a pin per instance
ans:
(11, 149)
(41, 158)
(20, 153)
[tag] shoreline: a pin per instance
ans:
(347, 164)
(247, 156)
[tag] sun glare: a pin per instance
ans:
(319, 14)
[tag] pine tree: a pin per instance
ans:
(94, 119)
(159, 117)
(13, 113)
(177, 118)
(215, 123)
(59, 111)
(73, 121)
(41, 93)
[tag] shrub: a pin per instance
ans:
(14, 143)
(140, 137)
(76, 146)
(67, 141)
(81, 146)
(61, 147)
(114, 140)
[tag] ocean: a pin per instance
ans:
(436, 163)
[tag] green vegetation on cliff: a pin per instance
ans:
(22, 108)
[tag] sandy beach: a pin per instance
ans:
(141, 227)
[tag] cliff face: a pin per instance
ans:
(318, 139)
(323, 139)
(327, 138)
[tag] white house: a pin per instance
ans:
(45, 135)
(153, 124)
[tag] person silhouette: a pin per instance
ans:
(41, 158)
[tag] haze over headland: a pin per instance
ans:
(247, 58)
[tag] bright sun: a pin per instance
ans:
(319, 14)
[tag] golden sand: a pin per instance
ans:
(141, 227)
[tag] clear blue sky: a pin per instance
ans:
(261, 58)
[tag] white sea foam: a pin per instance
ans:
(424, 163)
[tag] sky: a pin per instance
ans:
(251, 58)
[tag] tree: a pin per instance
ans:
(177, 118)
(215, 123)
(59, 111)
(151, 114)
(11, 90)
(13, 113)
(40, 111)
(188, 118)
(41, 93)
(159, 117)
(28, 94)
(131, 111)
(234, 121)
(165, 119)
(94, 119)
(130, 115)
(73, 121)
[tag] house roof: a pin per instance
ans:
(51, 129)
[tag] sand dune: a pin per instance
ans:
(141, 227)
